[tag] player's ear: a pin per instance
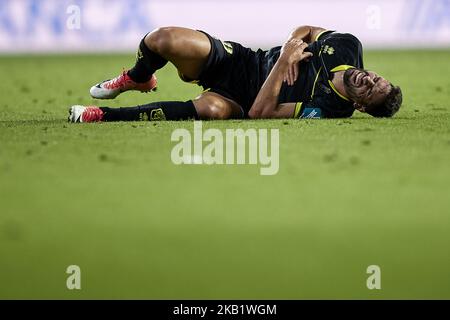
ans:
(359, 107)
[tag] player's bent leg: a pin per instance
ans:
(140, 78)
(212, 106)
(187, 49)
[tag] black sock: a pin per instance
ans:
(147, 62)
(157, 111)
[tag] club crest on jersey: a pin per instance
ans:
(329, 50)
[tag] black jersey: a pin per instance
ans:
(314, 92)
(238, 73)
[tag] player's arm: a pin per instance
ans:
(308, 34)
(266, 103)
(284, 111)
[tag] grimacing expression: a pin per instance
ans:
(365, 88)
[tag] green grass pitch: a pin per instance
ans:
(106, 197)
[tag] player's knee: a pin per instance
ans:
(161, 40)
(218, 111)
(212, 109)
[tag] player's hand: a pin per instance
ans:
(292, 53)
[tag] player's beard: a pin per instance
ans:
(349, 82)
(347, 75)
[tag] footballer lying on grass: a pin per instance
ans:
(316, 74)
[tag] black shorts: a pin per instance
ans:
(233, 71)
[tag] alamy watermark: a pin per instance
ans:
(374, 280)
(73, 281)
(231, 146)
(373, 21)
(73, 21)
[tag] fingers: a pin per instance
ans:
(307, 55)
(301, 45)
(291, 76)
(304, 45)
(286, 77)
(293, 52)
(300, 50)
(295, 67)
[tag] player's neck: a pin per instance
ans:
(338, 82)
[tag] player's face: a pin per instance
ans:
(365, 87)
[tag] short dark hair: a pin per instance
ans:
(389, 106)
